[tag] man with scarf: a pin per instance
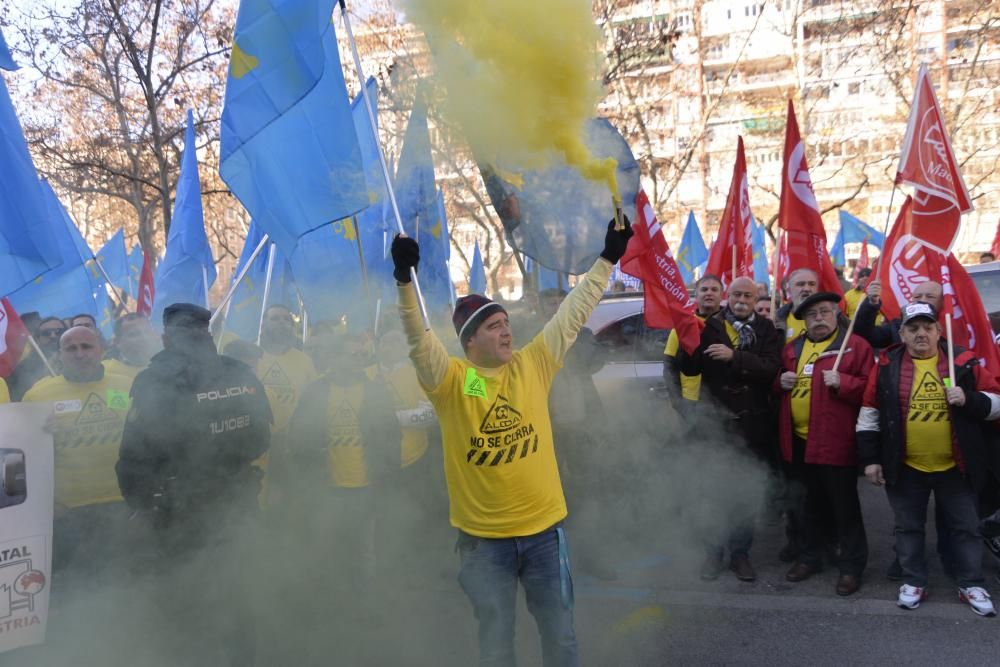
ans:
(738, 358)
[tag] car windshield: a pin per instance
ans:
(988, 284)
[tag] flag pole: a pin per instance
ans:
(114, 289)
(951, 351)
(361, 259)
(204, 281)
(777, 274)
(888, 216)
(847, 337)
(267, 291)
(381, 158)
(236, 283)
(38, 351)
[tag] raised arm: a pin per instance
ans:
(560, 332)
(428, 354)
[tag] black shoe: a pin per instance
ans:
(712, 567)
(848, 584)
(743, 569)
(801, 572)
(789, 553)
(895, 571)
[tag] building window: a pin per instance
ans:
(854, 88)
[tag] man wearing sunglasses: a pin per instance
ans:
(32, 368)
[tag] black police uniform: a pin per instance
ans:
(196, 423)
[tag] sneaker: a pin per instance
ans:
(910, 597)
(978, 599)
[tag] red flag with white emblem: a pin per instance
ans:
(995, 248)
(928, 163)
(648, 258)
(736, 228)
(804, 238)
(147, 290)
(13, 336)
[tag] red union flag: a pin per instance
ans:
(736, 229)
(927, 162)
(147, 289)
(995, 248)
(13, 336)
(803, 241)
(648, 258)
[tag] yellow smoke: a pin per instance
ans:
(521, 77)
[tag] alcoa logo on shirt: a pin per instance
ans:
(218, 394)
(504, 438)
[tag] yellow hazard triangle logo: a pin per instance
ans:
(501, 417)
(474, 385)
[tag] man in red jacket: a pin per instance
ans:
(819, 407)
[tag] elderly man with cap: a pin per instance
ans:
(919, 434)
(738, 359)
(505, 495)
(196, 423)
(819, 408)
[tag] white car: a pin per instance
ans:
(634, 368)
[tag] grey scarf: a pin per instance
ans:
(744, 330)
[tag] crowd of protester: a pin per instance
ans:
(171, 452)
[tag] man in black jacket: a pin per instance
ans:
(883, 335)
(197, 421)
(916, 435)
(737, 360)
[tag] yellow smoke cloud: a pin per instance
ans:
(521, 77)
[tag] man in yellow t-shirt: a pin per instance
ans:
(802, 283)
(504, 491)
(917, 434)
(89, 408)
(854, 296)
(135, 342)
(708, 296)
(285, 371)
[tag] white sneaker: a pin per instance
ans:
(910, 597)
(978, 599)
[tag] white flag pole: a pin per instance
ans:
(267, 291)
(236, 283)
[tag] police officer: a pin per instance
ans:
(197, 421)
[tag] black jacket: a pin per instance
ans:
(972, 436)
(878, 336)
(742, 385)
(380, 432)
(196, 423)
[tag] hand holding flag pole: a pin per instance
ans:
(381, 158)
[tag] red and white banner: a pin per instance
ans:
(147, 290)
(803, 243)
(928, 163)
(908, 261)
(736, 228)
(648, 258)
(995, 248)
(13, 337)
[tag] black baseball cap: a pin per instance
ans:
(916, 310)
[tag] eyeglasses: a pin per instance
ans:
(820, 312)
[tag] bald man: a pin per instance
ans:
(89, 408)
(738, 359)
(883, 335)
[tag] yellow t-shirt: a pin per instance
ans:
(4, 392)
(499, 459)
(90, 417)
(928, 423)
(794, 327)
(690, 384)
(802, 391)
(119, 367)
(853, 298)
(348, 466)
(284, 376)
(411, 405)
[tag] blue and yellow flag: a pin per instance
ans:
(188, 270)
(134, 271)
(477, 273)
(289, 149)
(761, 270)
(417, 197)
(853, 230)
(115, 262)
(692, 253)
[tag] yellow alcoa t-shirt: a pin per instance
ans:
(284, 376)
(794, 327)
(498, 457)
(119, 367)
(802, 391)
(90, 417)
(928, 423)
(411, 405)
(348, 467)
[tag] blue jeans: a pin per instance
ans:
(490, 571)
(956, 503)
